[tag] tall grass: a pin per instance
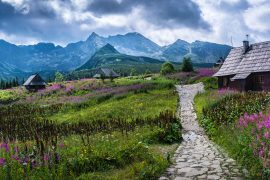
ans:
(101, 135)
(219, 117)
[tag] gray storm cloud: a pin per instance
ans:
(41, 19)
(64, 21)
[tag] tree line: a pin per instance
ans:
(168, 67)
(5, 84)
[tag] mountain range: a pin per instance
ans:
(16, 59)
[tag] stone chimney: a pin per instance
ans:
(246, 46)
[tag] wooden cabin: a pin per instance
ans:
(34, 83)
(105, 73)
(246, 68)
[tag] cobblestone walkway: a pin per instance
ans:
(197, 157)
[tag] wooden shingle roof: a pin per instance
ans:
(34, 80)
(241, 76)
(257, 59)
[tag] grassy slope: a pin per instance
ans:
(131, 106)
(115, 144)
(140, 154)
(128, 106)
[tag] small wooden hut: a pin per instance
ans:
(105, 73)
(34, 83)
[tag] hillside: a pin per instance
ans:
(8, 72)
(88, 127)
(109, 57)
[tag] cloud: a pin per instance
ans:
(42, 22)
(62, 21)
(172, 13)
(256, 16)
(19, 5)
(233, 19)
(163, 21)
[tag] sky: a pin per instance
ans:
(162, 21)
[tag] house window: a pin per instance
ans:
(259, 79)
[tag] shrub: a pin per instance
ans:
(230, 108)
(187, 65)
(59, 77)
(171, 134)
(208, 82)
(167, 68)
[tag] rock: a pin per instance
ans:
(196, 166)
(163, 178)
(180, 160)
(237, 178)
(170, 170)
(181, 165)
(210, 177)
(230, 160)
(195, 172)
(202, 177)
(181, 178)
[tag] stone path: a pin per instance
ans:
(197, 157)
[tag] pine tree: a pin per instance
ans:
(59, 77)
(187, 65)
(1, 84)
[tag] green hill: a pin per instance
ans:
(109, 57)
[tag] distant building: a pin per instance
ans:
(105, 73)
(246, 68)
(34, 83)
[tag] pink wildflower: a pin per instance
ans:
(5, 146)
(261, 153)
(2, 161)
(62, 145)
(266, 135)
(46, 157)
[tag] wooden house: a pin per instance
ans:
(34, 83)
(106, 73)
(246, 68)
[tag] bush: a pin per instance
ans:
(208, 82)
(171, 134)
(187, 65)
(230, 108)
(167, 68)
(59, 77)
